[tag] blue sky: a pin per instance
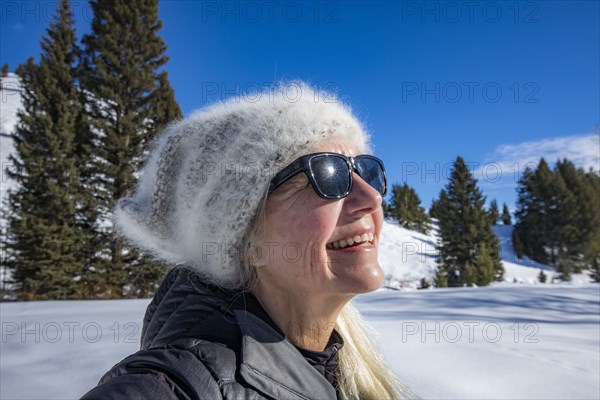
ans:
(500, 83)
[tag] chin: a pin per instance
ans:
(364, 280)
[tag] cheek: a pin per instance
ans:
(303, 223)
(319, 223)
(304, 229)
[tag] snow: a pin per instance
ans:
(58, 349)
(406, 256)
(10, 104)
(511, 341)
(10, 97)
(523, 341)
(525, 270)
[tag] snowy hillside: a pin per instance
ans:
(502, 342)
(10, 103)
(407, 256)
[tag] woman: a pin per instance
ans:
(272, 211)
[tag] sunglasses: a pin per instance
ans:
(330, 174)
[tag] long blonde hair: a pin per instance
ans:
(362, 373)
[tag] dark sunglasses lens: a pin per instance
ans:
(371, 171)
(331, 175)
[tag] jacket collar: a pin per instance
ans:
(264, 350)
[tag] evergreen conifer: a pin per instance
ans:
(47, 246)
(506, 219)
(542, 277)
(494, 212)
(558, 217)
(537, 207)
(580, 217)
(441, 277)
(406, 208)
(128, 100)
(387, 213)
(435, 205)
(595, 270)
(564, 270)
(484, 265)
(469, 250)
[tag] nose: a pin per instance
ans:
(363, 197)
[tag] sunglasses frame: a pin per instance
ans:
(303, 164)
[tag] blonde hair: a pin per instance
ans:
(361, 373)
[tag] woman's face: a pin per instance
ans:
(298, 251)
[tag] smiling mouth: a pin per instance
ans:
(358, 240)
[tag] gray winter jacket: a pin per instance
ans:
(200, 342)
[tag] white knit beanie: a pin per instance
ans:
(207, 174)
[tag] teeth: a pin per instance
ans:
(365, 237)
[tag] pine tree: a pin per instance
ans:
(4, 70)
(558, 216)
(493, 212)
(165, 107)
(406, 208)
(47, 247)
(592, 251)
(580, 216)
(542, 277)
(595, 270)
(435, 205)
(484, 265)
(537, 208)
(517, 244)
(469, 250)
(129, 100)
(506, 219)
(387, 211)
(564, 270)
(441, 277)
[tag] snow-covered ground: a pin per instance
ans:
(525, 342)
(501, 342)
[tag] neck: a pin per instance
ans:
(307, 321)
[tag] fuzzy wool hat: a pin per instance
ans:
(206, 175)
